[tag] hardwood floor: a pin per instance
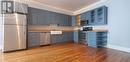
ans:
(67, 52)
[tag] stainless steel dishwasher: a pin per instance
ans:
(45, 38)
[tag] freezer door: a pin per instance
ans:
(15, 19)
(21, 8)
(14, 38)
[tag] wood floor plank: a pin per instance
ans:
(66, 52)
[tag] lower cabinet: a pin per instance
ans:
(59, 38)
(56, 38)
(76, 37)
(33, 39)
(97, 39)
(36, 39)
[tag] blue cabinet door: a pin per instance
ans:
(33, 39)
(96, 39)
(66, 36)
(88, 16)
(91, 39)
(101, 15)
(73, 20)
(92, 17)
(96, 16)
(43, 17)
(83, 16)
(62, 19)
(76, 37)
(56, 38)
(33, 16)
(57, 18)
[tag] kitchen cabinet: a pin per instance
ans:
(74, 20)
(59, 38)
(68, 36)
(56, 38)
(56, 19)
(83, 16)
(36, 39)
(44, 17)
(33, 39)
(96, 16)
(76, 36)
(96, 39)
(101, 15)
(61, 21)
(93, 17)
(64, 20)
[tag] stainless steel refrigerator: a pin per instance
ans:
(14, 29)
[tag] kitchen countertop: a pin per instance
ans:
(99, 30)
(59, 28)
(52, 28)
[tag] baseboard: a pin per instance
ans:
(119, 48)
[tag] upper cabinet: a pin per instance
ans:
(101, 15)
(92, 20)
(83, 16)
(43, 17)
(97, 16)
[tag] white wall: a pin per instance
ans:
(0, 28)
(118, 23)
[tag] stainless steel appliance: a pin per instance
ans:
(87, 28)
(14, 29)
(45, 38)
(82, 34)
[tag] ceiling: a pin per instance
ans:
(69, 5)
